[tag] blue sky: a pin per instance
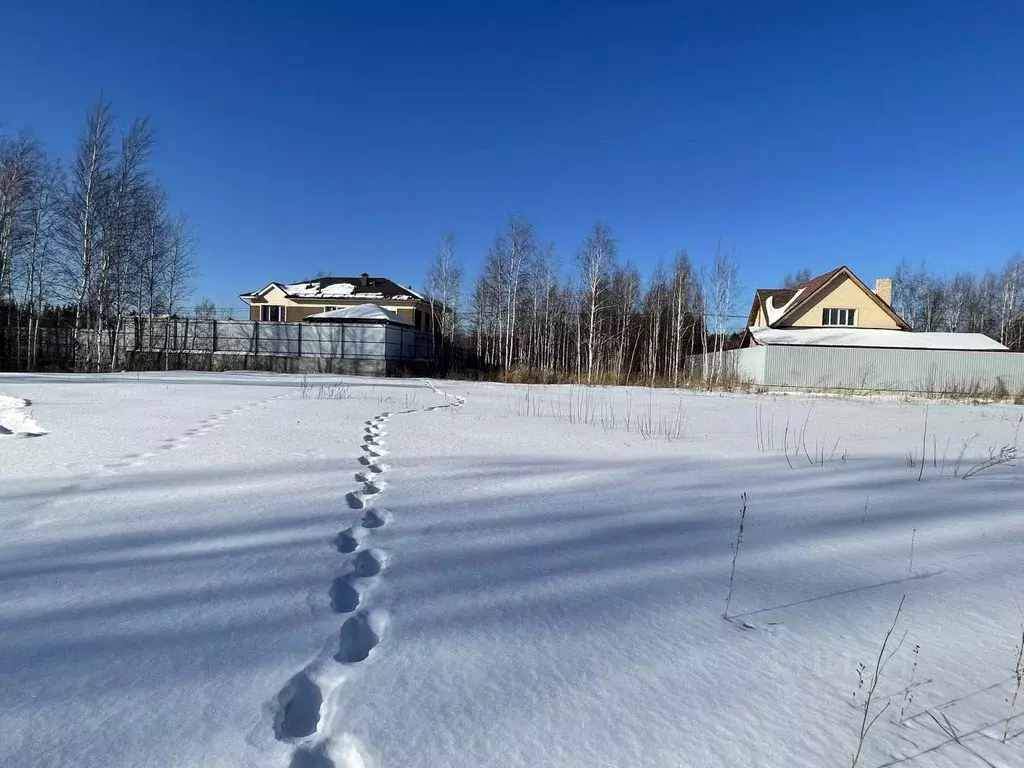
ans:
(345, 136)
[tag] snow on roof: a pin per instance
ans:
(774, 313)
(315, 290)
(358, 288)
(874, 337)
(364, 312)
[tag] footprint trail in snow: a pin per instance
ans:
(301, 707)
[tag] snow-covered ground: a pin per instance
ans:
(239, 570)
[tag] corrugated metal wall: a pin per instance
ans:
(895, 370)
(745, 364)
(748, 364)
(886, 370)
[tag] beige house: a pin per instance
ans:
(290, 303)
(834, 299)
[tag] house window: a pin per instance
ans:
(271, 314)
(330, 309)
(838, 317)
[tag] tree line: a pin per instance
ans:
(598, 320)
(991, 302)
(84, 243)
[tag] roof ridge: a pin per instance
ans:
(824, 275)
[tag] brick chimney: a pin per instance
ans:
(364, 279)
(883, 289)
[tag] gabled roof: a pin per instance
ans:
(366, 313)
(261, 291)
(341, 288)
(782, 304)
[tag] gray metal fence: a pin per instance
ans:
(362, 341)
(889, 370)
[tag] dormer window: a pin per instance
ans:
(833, 316)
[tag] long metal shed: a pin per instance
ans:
(872, 360)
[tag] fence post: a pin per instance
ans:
(213, 336)
(298, 351)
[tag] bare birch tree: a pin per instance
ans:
(626, 296)
(722, 288)
(596, 259)
(22, 169)
(122, 227)
(181, 268)
(958, 299)
(444, 287)
(85, 197)
(1011, 300)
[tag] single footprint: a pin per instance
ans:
(374, 519)
(344, 597)
(347, 541)
(366, 564)
(360, 634)
(310, 758)
(299, 705)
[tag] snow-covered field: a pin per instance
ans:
(239, 570)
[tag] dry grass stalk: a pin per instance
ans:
(1018, 676)
(735, 553)
(868, 720)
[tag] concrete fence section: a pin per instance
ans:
(870, 369)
